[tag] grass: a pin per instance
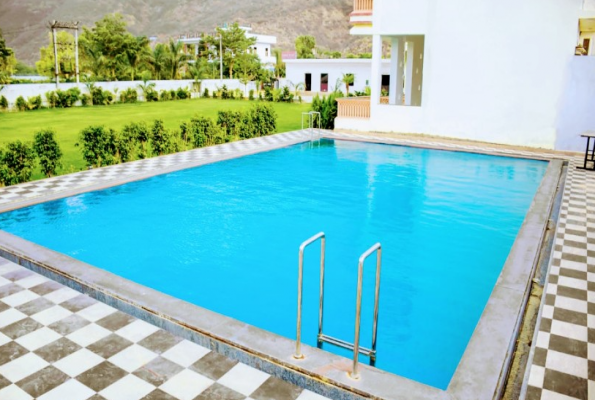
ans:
(68, 123)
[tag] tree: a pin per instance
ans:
(305, 45)
(279, 64)
(66, 57)
(16, 163)
(235, 44)
(47, 149)
(137, 54)
(348, 80)
(8, 61)
(198, 71)
(175, 59)
(146, 87)
(158, 60)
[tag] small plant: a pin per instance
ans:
(285, 96)
(52, 99)
(161, 139)
(3, 103)
(164, 95)
(152, 95)
(34, 103)
(101, 97)
(86, 100)
(17, 162)
(66, 99)
(129, 96)
(99, 146)
(183, 94)
(205, 94)
(224, 93)
(328, 108)
(48, 150)
(21, 104)
(127, 141)
(173, 95)
(251, 95)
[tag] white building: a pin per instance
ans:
(320, 76)
(500, 71)
(263, 46)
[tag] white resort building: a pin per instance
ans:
(496, 71)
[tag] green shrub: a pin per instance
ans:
(285, 96)
(183, 94)
(99, 146)
(205, 94)
(129, 96)
(164, 95)
(202, 131)
(152, 95)
(268, 94)
(21, 104)
(251, 95)
(101, 97)
(17, 162)
(126, 142)
(85, 99)
(52, 99)
(66, 99)
(232, 122)
(260, 98)
(34, 103)
(161, 139)
(328, 109)
(262, 120)
(3, 103)
(173, 95)
(224, 92)
(48, 150)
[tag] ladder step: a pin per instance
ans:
(346, 345)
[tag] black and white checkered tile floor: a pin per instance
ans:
(58, 344)
(44, 354)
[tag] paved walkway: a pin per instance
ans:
(58, 344)
(562, 365)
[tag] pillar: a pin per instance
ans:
(409, 71)
(376, 76)
(396, 71)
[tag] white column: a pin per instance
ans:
(409, 72)
(396, 71)
(376, 76)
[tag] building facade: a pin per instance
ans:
(494, 71)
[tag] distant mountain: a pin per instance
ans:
(24, 21)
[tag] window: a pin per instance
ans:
(308, 81)
(586, 44)
(266, 52)
(385, 86)
(324, 82)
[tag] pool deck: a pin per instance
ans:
(563, 354)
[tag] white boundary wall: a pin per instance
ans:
(27, 90)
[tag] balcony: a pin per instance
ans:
(361, 17)
(356, 107)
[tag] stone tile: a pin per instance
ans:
(18, 274)
(46, 288)
(22, 367)
(78, 303)
(186, 385)
(243, 379)
(13, 392)
(569, 346)
(109, 346)
(101, 376)
(61, 295)
(540, 357)
(78, 362)
(11, 351)
(565, 384)
(38, 338)
(57, 350)
(159, 394)
(35, 306)
(69, 324)
(19, 298)
(115, 321)
(570, 316)
(42, 381)
(138, 330)
(96, 312)
(10, 289)
(217, 391)
(21, 328)
(213, 365)
(158, 371)
(3, 306)
(185, 353)
(132, 358)
(70, 390)
(128, 388)
(89, 334)
(276, 389)
(160, 341)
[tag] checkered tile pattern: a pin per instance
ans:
(57, 344)
(563, 365)
(106, 174)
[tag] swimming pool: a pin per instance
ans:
(225, 236)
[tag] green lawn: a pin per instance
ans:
(69, 122)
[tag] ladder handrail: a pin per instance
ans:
(358, 305)
(298, 346)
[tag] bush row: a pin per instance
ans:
(18, 159)
(328, 108)
(270, 94)
(104, 146)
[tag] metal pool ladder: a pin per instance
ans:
(312, 117)
(322, 338)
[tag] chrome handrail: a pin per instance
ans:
(358, 305)
(298, 346)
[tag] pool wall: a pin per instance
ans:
(481, 374)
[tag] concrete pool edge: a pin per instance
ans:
(272, 353)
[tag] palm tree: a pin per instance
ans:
(137, 53)
(158, 60)
(146, 87)
(176, 59)
(279, 64)
(197, 70)
(90, 84)
(348, 80)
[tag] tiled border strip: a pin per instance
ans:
(273, 353)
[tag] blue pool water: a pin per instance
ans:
(225, 236)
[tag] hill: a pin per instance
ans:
(24, 21)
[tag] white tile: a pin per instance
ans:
(13, 392)
(572, 283)
(551, 288)
(4, 339)
(32, 280)
(37, 339)
(549, 395)
(137, 330)
(9, 267)
(536, 376)
(51, 315)
(591, 297)
(128, 388)
(10, 316)
(22, 367)
(61, 295)
(567, 363)
(71, 390)
(243, 379)
(78, 362)
(22, 297)
(185, 353)
(132, 358)
(573, 265)
(591, 321)
(4, 281)
(571, 304)
(591, 351)
(88, 335)
(186, 385)
(96, 312)
(543, 340)
(591, 390)
(547, 312)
